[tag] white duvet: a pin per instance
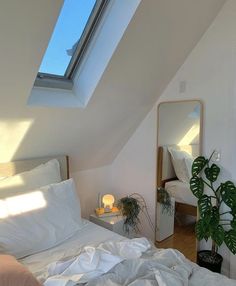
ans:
(163, 267)
(131, 262)
(93, 261)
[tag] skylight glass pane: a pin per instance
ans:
(69, 28)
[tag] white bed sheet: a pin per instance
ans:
(89, 234)
(157, 261)
(181, 192)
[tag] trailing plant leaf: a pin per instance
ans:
(130, 209)
(131, 206)
(197, 186)
(163, 197)
(228, 193)
(198, 165)
(230, 240)
(212, 172)
(218, 235)
(205, 206)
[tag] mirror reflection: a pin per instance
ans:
(179, 142)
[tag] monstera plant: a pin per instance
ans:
(217, 211)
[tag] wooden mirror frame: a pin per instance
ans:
(159, 161)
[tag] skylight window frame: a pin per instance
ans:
(66, 81)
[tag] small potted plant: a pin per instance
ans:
(131, 206)
(165, 214)
(214, 222)
(164, 198)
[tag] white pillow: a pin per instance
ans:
(39, 220)
(188, 165)
(44, 174)
(178, 157)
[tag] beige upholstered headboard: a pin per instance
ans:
(15, 167)
(165, 169)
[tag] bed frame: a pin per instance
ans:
(166, 173)
(15, 167)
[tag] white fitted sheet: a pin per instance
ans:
(181, 192)
(90, 234)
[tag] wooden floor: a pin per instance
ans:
(183, 239)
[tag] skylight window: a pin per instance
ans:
(73, 30)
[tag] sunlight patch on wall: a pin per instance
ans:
(192, 133)
(12, 134)
(21, 204)
(15, 181)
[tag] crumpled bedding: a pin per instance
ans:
(164, 268)
(137, 263)
(94, 261)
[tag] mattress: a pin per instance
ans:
(181, 192)
(89, 234)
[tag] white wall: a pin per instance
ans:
(89, 184)
(210, 75)
(134, 168)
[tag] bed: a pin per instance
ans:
(181, 192)
(94, 256)
(185, 202)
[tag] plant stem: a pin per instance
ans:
(217, 190)
(144, 209)
(228, 212)
(214, 197)
(211, 184)
(210, 157)
(211, 187)
(207, 184)
(213, 248)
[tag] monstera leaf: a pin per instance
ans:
(233, 211)
(198, 165)
(228, 193)
(230, 240)
(197, 186)
(215, 217)
(205, 206)
(218, 235)
(202, 230)
(233, 223)
(212, 172)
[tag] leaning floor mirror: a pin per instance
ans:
(179, 142)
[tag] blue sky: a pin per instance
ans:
(69, 27)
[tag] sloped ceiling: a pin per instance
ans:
(156, 43)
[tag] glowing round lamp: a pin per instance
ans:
(108, 201)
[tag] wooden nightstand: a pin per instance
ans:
(113, 223)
